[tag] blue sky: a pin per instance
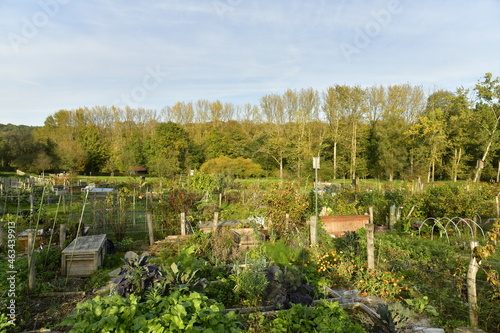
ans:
(65, 54)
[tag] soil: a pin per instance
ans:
(47, 312)
(42, 313)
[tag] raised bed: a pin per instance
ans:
(337, 226)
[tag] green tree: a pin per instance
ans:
(428, 133)
(456, 109)
(352, 106)
(276, 144)
(402, 105)
(62, 128)
(96, 150)
(487, 117)
(230, 139)
(168, 149)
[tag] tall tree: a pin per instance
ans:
(487, 116)
(168, 149)
(273, 109)
(402, 106)
(331, 109)
(456, 127)
(351, 103)
(96, 150)
(429, 135)
(63, 129)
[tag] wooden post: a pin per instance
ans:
(287, 220)
(62, 235)
(183, 223)
(133, 205)
(370, 211)
(392, 217)
(31, 259)
(498, 206)
(149, 219)
(370, 227)
(313, 227)
(471, 287)
(2, 236)
(64, 202)
(498, 172)
(31, 200)
(216, 221)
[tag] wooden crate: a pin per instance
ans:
(83, 259)
(338, 225)
(246, 238)
(22, 239)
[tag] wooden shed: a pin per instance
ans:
(83, 256)
(337, 226)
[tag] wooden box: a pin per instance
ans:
(246, 238)
(22, 239)
(338, 225)
(85, 257)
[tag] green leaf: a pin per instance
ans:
(174, 268)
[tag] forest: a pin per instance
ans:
(387, 132)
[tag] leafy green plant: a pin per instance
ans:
(325, 317)
(4, 323)
(394, 316)
(178, 312)
(283, 254)
(421, 305)
(98, 279)
(222, 291)
(179, 275)
(126, 244)
(250, 281)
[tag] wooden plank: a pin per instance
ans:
(338, 225)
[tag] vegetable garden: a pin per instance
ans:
(205, 281)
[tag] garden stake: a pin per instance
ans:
(471, 286)
(369, 244)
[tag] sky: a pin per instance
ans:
(66, 54)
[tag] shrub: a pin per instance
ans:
(238, 167)
(282, 199)
(171, 204)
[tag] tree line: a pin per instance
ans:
(389, 132)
